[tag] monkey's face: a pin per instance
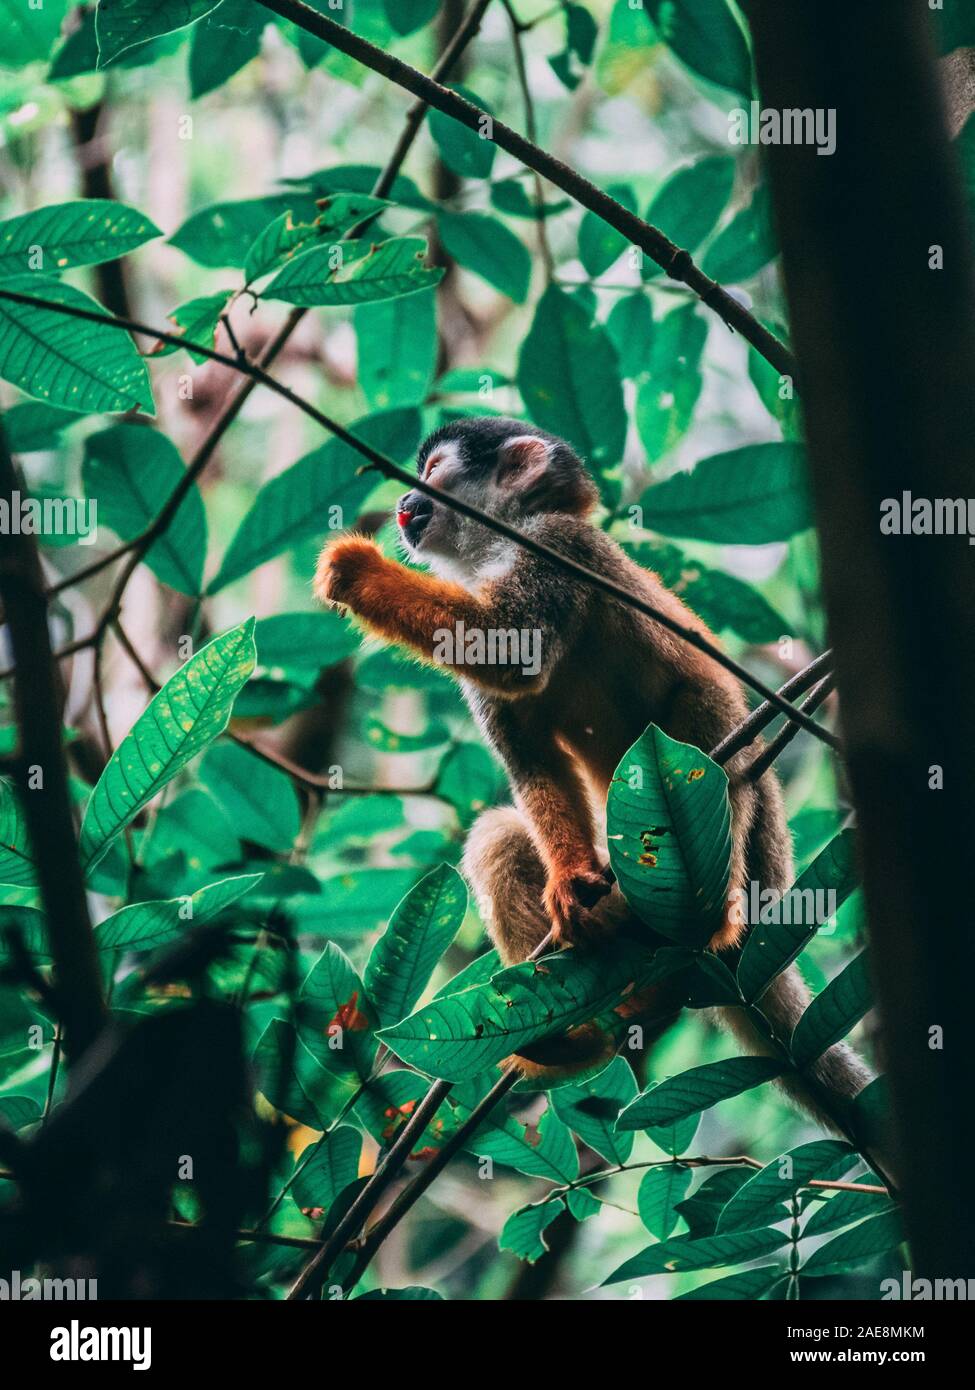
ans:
(501, 466)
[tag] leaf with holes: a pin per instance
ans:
(542, 1150)
(285, 238)
(420, 930)
(833, 1012)
(67, 361)
(523, 1232)
(668, 823)
(772, 946)
(187, 714)
(697, 1089)
(85, 232)
(197, 321)
(144, 926)
(336, 1018)
(364, 272)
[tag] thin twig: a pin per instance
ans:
(521, 69)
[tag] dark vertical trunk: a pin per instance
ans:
(887, 355)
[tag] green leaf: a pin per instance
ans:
(196, 320)
(130, 471)
(470, 780)
(464, 151)
(406, 16)
(660, 1191)
(33, 426)
(223, 233)
(420, 930)
(697, 1089)
(630, 327)
(833, 1012)
(706, 36)
(16, 859)
(29, 31)
(321, 491)
(844, 1208)
(294, 1081)
(284, 238)
(462, 1035)
(875, 1236)
(702, 1209)
(309, 641)
(687, 207)
(522, 1233)
(684, 1253)
(665, 401)
(121, 23)
(193, 824)
(484, 245)
(397, 341)
(480, 970)
(591, 1109)
(191, 709)
(259, 799)
(144, 926)
(545, 1150)
(67, 361)
(722, 600)
(223, 42)
(569, 379)
(333, 1165)
(510, 197)
(599, 243)
(30, 925)
(386, 1105)
(746, 245)
(669, 834)
(747, 496)
(336, 1019)
(352, 272)
(772, 946)
(84, 232)
(748, 1285)
(756, 1201)
(18, 1111)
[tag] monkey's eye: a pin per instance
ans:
(432, 463)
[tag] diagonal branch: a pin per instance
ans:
(678, 263)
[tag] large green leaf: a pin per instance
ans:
(666, 399)
(747, 496)
(333, 1165)
(16, 859)
(591, 1108)
(599, 243)
(740, 1288)
(365, 271)
(321, 491)
(833, 1012)
(30, 925)
(467, 152)
(29, 31)
(746, 245)
(191, 709)
(420, 930)
(689, 204)
(461, 1035)
(144, 926)
(223, 233)
(875, 1236)
(771, 946)
(336, 1018)
(722, 600)
(522, 1233)
(757, 1200)
(259, 800)
(706, 36)
(569, 379)
(309, 641)
(845, 1208)
(285, 237)
(660, 1191)
(131, 471)
(696, 1090)
(223, 42)
(397, 341)
(668, 824)
(68, 361)
(84, 232)
(631, 327)
(684, 1253)
(542, 1150)
(406, 16)
(294, 1080)
(484, 245)
(121, 23)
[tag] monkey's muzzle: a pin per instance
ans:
(412, 514)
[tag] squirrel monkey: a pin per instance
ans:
(562, 722)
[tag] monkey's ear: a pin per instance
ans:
(523, 461)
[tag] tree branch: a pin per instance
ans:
(678, 264)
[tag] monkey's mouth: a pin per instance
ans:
(413, 517)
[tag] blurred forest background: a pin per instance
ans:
(374, 771)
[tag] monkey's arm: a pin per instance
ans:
(408, 607)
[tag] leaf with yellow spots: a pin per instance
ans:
(84, 232)
(191, 709)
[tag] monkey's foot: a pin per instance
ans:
(568, 902)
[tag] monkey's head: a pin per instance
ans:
(507, 468)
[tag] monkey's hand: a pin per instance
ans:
(568, 902)
(345, 567)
